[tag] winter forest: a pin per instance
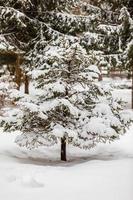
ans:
(66, 99)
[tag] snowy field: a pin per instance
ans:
(103, 173)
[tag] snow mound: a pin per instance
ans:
(28, 181)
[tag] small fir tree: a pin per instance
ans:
(66, 102)
(68, 105)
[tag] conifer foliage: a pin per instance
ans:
(63, 55)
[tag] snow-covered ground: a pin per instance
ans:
(103, 173)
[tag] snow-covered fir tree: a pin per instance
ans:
(126, 38)
(65, 42)
(67, 103)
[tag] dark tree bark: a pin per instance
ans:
(18, 73)
(100, 78)
(63, 149)
(26, 84)
(132, 87)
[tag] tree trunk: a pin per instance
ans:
(63, 149)
(18, 77)
(18, 73)
(132, 86)
(100, 78)
(26, 84)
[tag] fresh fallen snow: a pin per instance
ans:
(123, 94)
(105, 172)
(122, 89)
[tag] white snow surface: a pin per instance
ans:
(105, 172)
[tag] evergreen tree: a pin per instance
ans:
(126, 32)
(67, 102)
(63, 50)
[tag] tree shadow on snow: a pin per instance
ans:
(51, 157)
